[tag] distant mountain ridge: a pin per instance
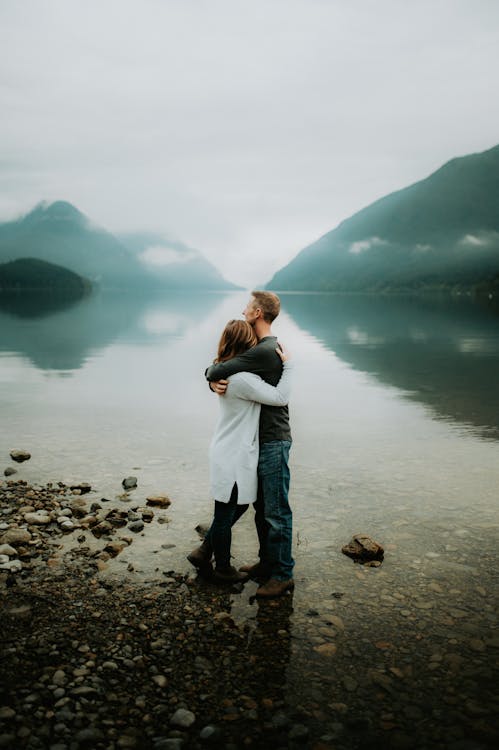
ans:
(59, 233)
(440, 232)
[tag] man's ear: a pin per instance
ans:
(258, 312)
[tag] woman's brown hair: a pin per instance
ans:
(237, 337)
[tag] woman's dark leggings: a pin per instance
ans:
(219, 535)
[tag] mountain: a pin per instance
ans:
(173, 263)
(60, 234)
(440, 232)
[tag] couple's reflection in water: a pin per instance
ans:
(261, 630)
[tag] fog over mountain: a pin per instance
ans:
(440, 232)
(173, 263)
(60, 234)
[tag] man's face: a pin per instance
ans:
(249, 311)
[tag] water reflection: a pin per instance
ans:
(443, 353)
(38, 303)
(58, 334)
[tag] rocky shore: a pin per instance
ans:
(91, 661)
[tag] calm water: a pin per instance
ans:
(395, 409)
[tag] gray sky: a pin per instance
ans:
(246, 128)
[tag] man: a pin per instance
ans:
(273, 516)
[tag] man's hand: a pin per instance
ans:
(219, 386)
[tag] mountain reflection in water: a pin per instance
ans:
(58, 334)
(443, 352)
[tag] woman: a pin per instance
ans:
(234, 449)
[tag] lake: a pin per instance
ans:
(395, 419)
(396, 402)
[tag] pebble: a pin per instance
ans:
(182, 718)
(13, 566)
(37, 519)
(159, 501)
(160, 680)
(209, 733)
(136, 526)
(129, 655)
(7, 549)
(15, 537)
(129, 483)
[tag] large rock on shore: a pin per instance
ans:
(15, 537)
(20, 456)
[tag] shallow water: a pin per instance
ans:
(395, 410)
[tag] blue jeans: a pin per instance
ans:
(273, 516)
(219, 535)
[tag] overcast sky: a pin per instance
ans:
(245, 128)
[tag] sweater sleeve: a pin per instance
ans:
(252, 388)
(255, 360)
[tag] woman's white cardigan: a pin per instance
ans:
(234, 446)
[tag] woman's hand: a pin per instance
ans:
(282, 352)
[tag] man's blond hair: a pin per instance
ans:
(269, 303)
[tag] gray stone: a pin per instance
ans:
(6, 549)
(13, 566)
(9, 471)
(129, 483)
(183, 718)
(39, 518)
(136, 526)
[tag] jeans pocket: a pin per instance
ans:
(272, 456)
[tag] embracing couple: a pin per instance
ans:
(249, 451)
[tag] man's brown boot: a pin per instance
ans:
(273, 587)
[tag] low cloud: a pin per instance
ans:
(485, 239)
(158, 255)
(363, 245)
(473, 240)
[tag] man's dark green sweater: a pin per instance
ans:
(263, 360)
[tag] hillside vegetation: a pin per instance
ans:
(442, 232)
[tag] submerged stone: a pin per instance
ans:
(362, 548)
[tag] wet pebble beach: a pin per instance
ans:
(94, 655)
